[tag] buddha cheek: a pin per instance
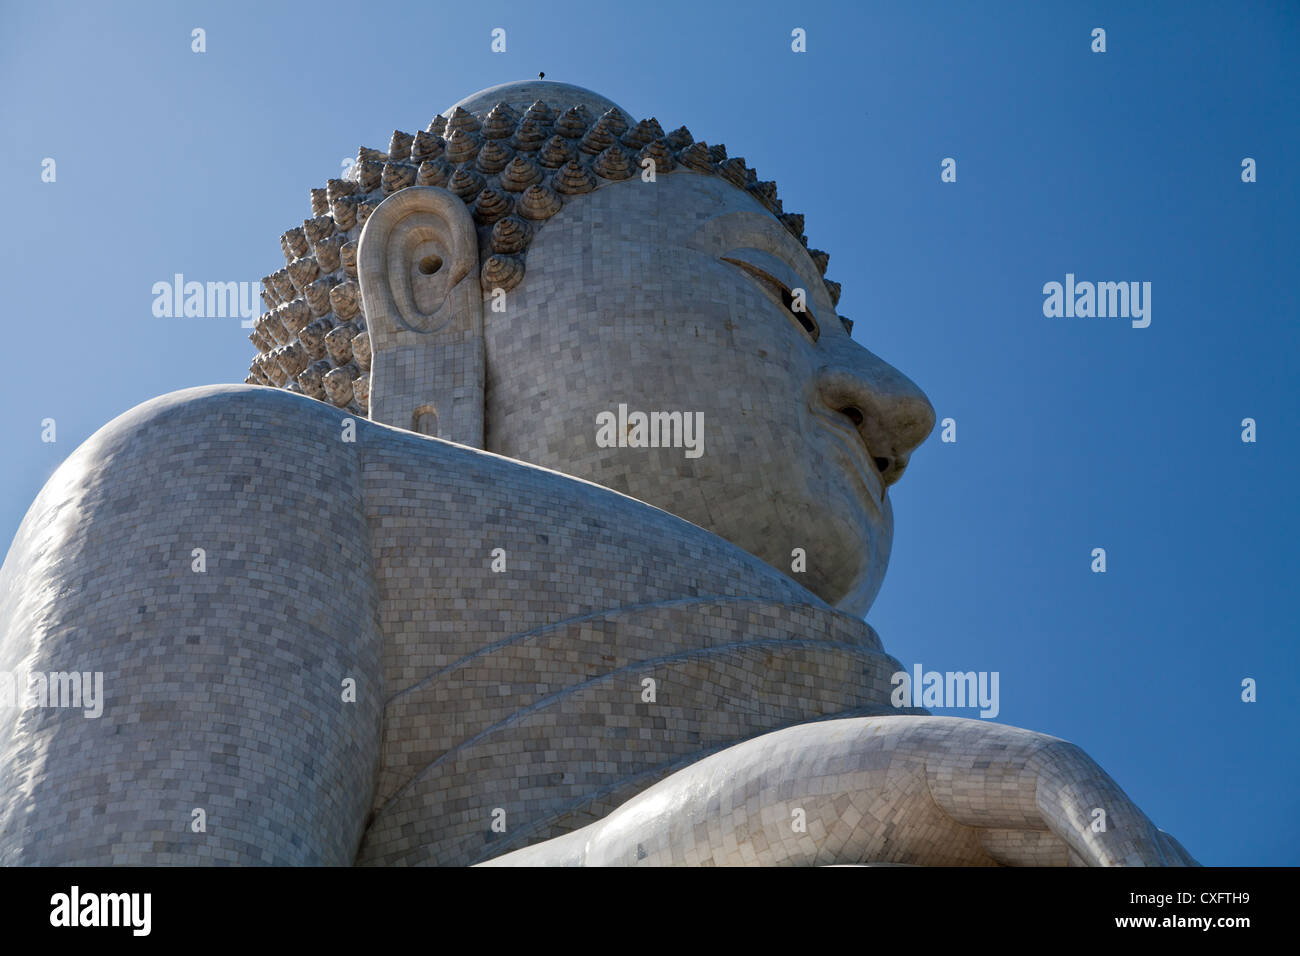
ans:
(854, 545)
(843, 557)
(875, 539)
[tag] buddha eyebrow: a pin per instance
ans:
(737, 231)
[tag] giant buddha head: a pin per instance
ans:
(535, 259)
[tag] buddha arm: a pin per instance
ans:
(224, 736)
(897, 789)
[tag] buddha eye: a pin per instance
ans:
(795, 305)
(794, 300)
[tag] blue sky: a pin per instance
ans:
(1072, 433)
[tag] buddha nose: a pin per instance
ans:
(890, 413)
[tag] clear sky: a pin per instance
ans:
(1072, 433)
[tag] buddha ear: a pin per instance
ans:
(417, 262)
(416, 248)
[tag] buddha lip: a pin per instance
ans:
(859, 452)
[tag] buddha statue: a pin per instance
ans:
(542, 531)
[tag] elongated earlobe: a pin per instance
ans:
(417, 263)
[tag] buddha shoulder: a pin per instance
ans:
(249, 468)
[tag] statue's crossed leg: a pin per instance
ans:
(905, 789)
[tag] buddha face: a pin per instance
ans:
(686, 296)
